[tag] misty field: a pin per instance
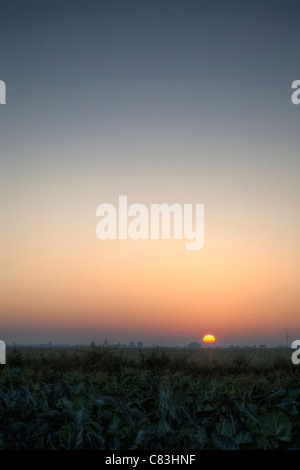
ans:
(103, 398)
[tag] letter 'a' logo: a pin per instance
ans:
(296, 354)
(2, 92)
(2, 352)
(296, 94)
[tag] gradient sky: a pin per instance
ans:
(162, 101)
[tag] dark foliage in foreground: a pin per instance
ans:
(145, 411)
(157, 402)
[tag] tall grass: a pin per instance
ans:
(104, 359)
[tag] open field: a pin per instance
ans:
(152, 399)
(202, 355)
(209, 361)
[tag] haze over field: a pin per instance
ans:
(165, 102)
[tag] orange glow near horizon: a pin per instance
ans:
(148, 286)
(59, 275)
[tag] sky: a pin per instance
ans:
(184, 102)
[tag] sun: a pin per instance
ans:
(209, 339)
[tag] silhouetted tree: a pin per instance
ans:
(194, 345)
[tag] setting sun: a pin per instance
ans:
(209, 339)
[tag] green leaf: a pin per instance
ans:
(67, 436)
(81, 400)
(87, 440)
(82, 418)
(224, 442)
(106, 401)
(125, 432)
(114, 425)
(244, 437)
(162, 429)
(200, 438)
(225, 428)
(275, 427)
(133, 411)
(144, 438)
(284, 438)
(252, 407)
(178, 416)
(275, 423)
(290, 407)
(50, 415)
(27, 401)
(64, 403)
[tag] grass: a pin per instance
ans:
(206, 362)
